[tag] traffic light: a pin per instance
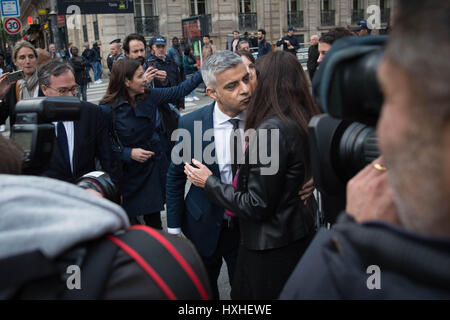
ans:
(30, 20)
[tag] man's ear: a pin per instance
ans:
(212, 93)
(44, 89)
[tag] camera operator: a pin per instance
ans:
(79, 142)
(71, 227)
(401, 202)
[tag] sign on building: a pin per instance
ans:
(10, 8)
(97, 7)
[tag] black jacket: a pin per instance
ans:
(79, 65)
(341, 264)
(313, 55)
(270, 212)
(91, 141)
(294, 42)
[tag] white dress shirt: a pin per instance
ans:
(68, 125)
(222, 134)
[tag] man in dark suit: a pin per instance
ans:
(78, 143)
(212, 231)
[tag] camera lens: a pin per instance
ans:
(102, 183)
(358, 147)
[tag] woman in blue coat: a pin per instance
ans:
(131, 107)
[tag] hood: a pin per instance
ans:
(51, 215)
(410, 265)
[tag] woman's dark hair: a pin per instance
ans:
(122, 69)
(11, 156)
(282, 91)
(248, 55)
(187, 51)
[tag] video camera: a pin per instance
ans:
(34, 132)
(343, 139)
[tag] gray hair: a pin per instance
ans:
(52, 68)
(217, 63)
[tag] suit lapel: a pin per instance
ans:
(208, 123)
(76, 141)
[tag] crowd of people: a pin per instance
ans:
(263, 225)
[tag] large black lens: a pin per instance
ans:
(357, 148)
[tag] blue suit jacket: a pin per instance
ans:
(200, 219)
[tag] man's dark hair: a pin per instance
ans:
(174, 38)
(187, 50)
(207, 36)
(52, 68)
(130, 37)
(331, 36)
(235, 31)
(262, 31)
(248, 55)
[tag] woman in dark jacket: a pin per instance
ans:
(80, 65)
(276, 225)
(190, 67)
(131, 107)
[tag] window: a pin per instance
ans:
(327, 13)
(199, 7)
(146, 19)
(247, 15)
(385, 11)
(95, 27)
(295, 13)
(357, 11)
(85, 32)
(144, 8)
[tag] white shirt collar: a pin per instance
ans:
(221, 118)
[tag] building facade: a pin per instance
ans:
(153, 17)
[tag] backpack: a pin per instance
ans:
(49, 278)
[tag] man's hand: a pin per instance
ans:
(4, 85)
(150, 74)
(307, 190)
(141, 155)
(370, 197)
(198, 176)
(161, 75)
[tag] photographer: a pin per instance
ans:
(400, 202)
(72, 227)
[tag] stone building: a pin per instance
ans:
(152, 17)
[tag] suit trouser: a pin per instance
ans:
(227, 248)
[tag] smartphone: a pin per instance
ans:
(14, 76)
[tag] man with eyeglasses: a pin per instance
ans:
(78, 143)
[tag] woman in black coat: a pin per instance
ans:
(276, 225)
(131, 108)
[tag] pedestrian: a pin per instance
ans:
(313, 55)
(327, 40)
(131, 109)
(169, 111)
(232, 45)
(276, 225)
(52, 51)
(80, 67)
(25, 58)
(253, 40)
(208, 48)
(176, 54)
(190, 67)
(264, 46)
(243, 45)
(289, 42)
(96, 63)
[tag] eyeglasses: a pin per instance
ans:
(64, 91)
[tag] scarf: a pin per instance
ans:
(26, 86)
